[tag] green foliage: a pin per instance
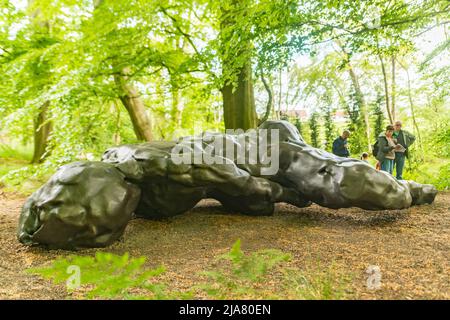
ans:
(298, 124)
(320, 284)
(238, 275)
(7, 166)
(435, 171)
(378, 117)
(16, 172)
(314, 129)
(328, 126)
(110, 276)
(18, 152)
(248, 274)
(86, 111)
(256, 265)
(178, 55)
(442, 179)
(441, 142)
(357, 140)
(246, 271)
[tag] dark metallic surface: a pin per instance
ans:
(84, 204)
(90, 203)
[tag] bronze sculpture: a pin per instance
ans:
(88, 204)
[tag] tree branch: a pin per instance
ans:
(187, 36)
(269, 102)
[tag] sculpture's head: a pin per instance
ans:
(336, 182)
(84, 204)
(421, 193)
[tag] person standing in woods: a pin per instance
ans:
(340, 147)
(386, 146)
(405, 139)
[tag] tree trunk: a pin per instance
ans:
(411, 105)
(386, 90)
(280, 90)
(413, 114)
(42, 129)
(131, 100)
(239, 104)
(362, 104)
(359, 95)
(135, 107)
(269, 101)
(238, 98)
(176, 111)
(287, 90)
(42, 124)
(393, 89)
(176, 107)
(116, 136)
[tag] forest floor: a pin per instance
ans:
(411, 247)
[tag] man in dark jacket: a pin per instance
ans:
(340, 147)
(405, 139)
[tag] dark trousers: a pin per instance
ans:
(399, 163)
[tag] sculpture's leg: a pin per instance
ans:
(167, 199)
(336, 182)
(237, 190)
(420, 193)
(244, 205)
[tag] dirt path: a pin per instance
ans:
(412, 247)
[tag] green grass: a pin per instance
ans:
(17, 152)
(246, 276)
(8, 165)
(16, 172)
(18, 176)
(319, 283)
(13, 158)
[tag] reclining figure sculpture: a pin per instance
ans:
(88, 204)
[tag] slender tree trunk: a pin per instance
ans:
(269, 101)
(280, 90)
(386, 90)
(362, 104)
(176, 106)
(131, 100)
(286, 100)
(393, 89)
(411, 105)
(176, 110)
(238, 98)
(135, 107)
(42, 130)
(413, 114)
(359, 95)
(116, 135)
(42, 124)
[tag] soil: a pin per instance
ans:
(411, 247)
